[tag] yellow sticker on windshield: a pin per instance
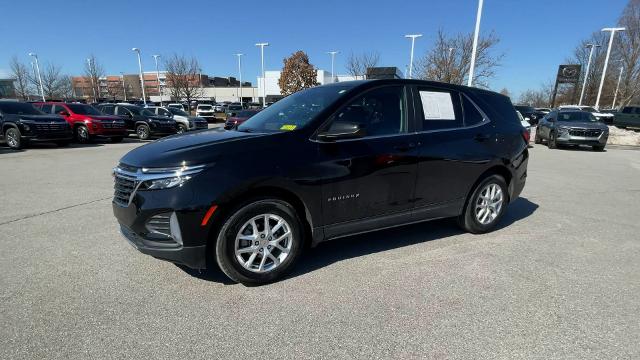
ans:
(288, 127)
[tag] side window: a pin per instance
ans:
(472, 115)
(107, 109)
(58, 108)
(627, 110)
(46, 108)
(379, 111)
(163, 112)
(122, 111)
(439, 109)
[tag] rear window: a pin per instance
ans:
(498, 106)
(19, 108)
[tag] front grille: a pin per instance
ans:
(50, 126)
(124, 186)
(585, 132)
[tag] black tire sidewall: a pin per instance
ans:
(79, 138)
(225, 242)
(147, 132)
(470, 223)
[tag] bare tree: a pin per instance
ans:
(93, 71)
(450, 59)
(65, 91)
(21, 75)
(357, 65)
(540, 97)
(505, 92)
(115, 90)
(297, 74)
(183, 78)
(53, 81)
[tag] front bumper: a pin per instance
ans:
(49, 136)
(568, 139)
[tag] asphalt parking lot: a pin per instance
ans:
(560, 278)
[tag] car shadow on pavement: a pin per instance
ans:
(334, 251)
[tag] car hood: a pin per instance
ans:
(583, 124)
(192, 148)
(43, 118)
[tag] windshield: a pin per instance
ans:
(295, 111)
(205, 107)
(82, 109)
(235, 107)
(576, 116)
(19, 108)
(176, 111)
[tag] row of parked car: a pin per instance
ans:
(59, 122)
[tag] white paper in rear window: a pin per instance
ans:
(437, 105)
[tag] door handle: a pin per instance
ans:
(481, 137)
(404, 147)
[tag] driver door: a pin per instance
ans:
(368, 180)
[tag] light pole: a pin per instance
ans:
(240, 76)
(606, 61)
(144, 96)
(264, 81)
(333, 58)
(93, 85)
(615, 95)
(413, 38)
(35, 56)
(155, 57)
(449, 63)
(475, 44)
(124, 87)
(586, 74)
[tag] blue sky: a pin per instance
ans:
(536, 35)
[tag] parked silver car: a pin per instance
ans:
(182, 118)
(571, 127)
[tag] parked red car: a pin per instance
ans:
(239, 118)
(86, 121)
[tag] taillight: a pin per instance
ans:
(526, 136)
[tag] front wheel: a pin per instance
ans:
(143, 132)
(181, 129)
(485, 206)
(82, 135)
(259, 242)
(13, 138)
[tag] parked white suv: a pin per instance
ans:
(606, 118)
(206, 111)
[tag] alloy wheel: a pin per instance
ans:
(12, 138)
(263, 243)
(489, 203)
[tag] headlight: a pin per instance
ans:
(166, 178)
(563, 130)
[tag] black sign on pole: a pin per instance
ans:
(567, 74)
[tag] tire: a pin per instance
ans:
(62, 143)
(181, 129)
(82, 135)
(472, 218)
(598, 147)
(116, 139)
(239, 223)
(551, 143)
(537, 139)
(143, 132)
(13, 138)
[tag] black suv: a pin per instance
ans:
(22, 122)
(530, 114)
(143, 122)
(321, 164)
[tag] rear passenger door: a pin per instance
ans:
(126, 116)
(455, 144)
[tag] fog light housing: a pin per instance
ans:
(174, 225)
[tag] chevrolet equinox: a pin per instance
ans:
(321, 164)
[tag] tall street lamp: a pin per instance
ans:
(91, 74)
(124, 87)
(155, 57)
(586, 74)
(35, 56)
(264, 80)
(240, 76)
(475, 44)
(606, 61)
(615, 95)
(413, 38)
(144, 96)
(333, 58)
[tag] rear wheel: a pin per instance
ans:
(485, 206)
(143, 132)
(259, 242)
(181, 129)
(82, 135)
(13, 138)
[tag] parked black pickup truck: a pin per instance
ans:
(22, 123)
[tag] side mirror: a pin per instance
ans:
(340, 130)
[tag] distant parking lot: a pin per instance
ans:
(560, 278)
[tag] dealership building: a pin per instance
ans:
(272, 89)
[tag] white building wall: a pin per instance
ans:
(218, 93)
(272, 76)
